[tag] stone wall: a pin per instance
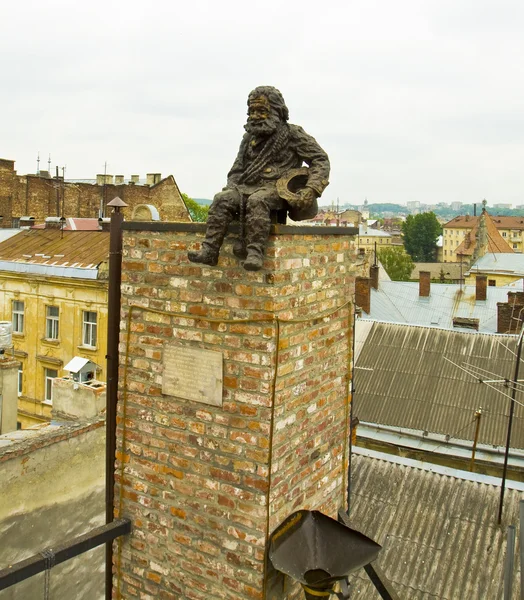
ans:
(53, 482)
(205, 485)
(44, 196)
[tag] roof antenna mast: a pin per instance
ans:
(38, 164)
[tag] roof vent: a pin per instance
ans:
(464, 323)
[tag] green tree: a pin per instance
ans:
(397, 263)
(197, 211)
(420, 233)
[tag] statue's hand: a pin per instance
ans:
(307, 196)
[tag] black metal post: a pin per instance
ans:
(113, 331)
(510, 423)
(380, 582)
(351, 422)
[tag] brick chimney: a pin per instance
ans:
(424, 284)
(153, 178)
(481, 287)
(363, 293)
(510, 314)
(373, 275)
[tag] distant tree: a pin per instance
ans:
(420, 233)
(197, 211)
(397, 263)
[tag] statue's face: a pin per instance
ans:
(262, 121)
(259, 109)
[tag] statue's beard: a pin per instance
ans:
(262, 127)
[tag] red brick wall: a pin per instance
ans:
(196, 477)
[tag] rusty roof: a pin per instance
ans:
(438, 530)
(403, 378)
(52, 247)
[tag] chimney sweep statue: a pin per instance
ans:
(264, 175)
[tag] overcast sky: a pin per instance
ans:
(412, 99)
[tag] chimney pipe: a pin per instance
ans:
(481, 287)
(373, 275)
(474, 210)
(424, 284)
(363, 293)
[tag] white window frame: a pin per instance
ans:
(48, 379)
(18, 313)
(52, 323)
(89, 328)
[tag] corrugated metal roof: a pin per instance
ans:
(402, 379)
(439, 533)
(55, 250)
(399, 302)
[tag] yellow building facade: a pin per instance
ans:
(57, 312)
(510, 229)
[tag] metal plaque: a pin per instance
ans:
(193, 374)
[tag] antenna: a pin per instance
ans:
(38, 164)
(49, 164)
(104, 191)
(62, 216)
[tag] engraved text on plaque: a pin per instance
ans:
(193, 373)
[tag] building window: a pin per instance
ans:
(445, 252)
(51, 323)
(492, 283)
(89, 329)
(515, 246)
(20, 379)
(18, 316)
(49, 374)
(504, 234)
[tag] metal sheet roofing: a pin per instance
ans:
(439, 533)
(399, 302)
(51, 251)
(404, 378)
(507, 263)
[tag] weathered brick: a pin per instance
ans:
(197, 476)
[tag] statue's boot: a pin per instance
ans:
(256, 245)
(207, 256)
(254, 261)
(239, 249)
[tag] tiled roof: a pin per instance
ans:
(403, 378)
(501, 222)
(496, 243)
(438, 530)
(55, 248)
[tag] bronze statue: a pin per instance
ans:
(270, 151)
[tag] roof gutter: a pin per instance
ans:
(438, 444)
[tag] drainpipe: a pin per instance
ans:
(113, 331)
